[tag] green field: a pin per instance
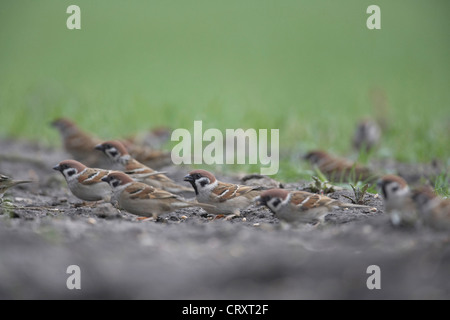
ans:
(305, 67)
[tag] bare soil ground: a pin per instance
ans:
(190, 256)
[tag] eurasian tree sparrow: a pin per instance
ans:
(338, 169)
(76, 142)
(141, 199)
(85, 183)
(80, 145)
(300, 206)
(397, 199)
(227, 198)
(7, 182)
(117, 152)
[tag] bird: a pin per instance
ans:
(398, 203)
(228, 199)
(77, 143)
(6, 183)
(85, 183)
(434, 210)
(80, 145)
(143, 200)
(300, 206)
(117, 152)
(338, 169)
(367, 135)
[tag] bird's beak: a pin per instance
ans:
(258, 201)
(106, 179)
(189, 178)
(57, 168)
(100, 147)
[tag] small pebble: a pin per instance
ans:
(92, 221)
(373, 209)
(244, 219)
(184, 217)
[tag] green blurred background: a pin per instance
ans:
(305, 67)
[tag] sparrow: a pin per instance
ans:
(367, 135)
(227, 198)
(117, 152)
(85, 183)
(434, 210)
(397, 200)
(7, 182)
(76, 142)
(80, 145)
(338, 169)
(141, 199)
(300, 206)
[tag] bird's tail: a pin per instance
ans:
(16, 182)
(176, 188)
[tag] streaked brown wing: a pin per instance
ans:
(310, 200)
(92, 176)
(143, 191)
(134, 167)
(227, 191)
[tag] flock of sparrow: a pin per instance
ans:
(132, 185)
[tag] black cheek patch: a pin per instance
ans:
(113, 153)
(71, 173)
(203, 183)
(115, 184)
(276, 203)
(383, 191)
